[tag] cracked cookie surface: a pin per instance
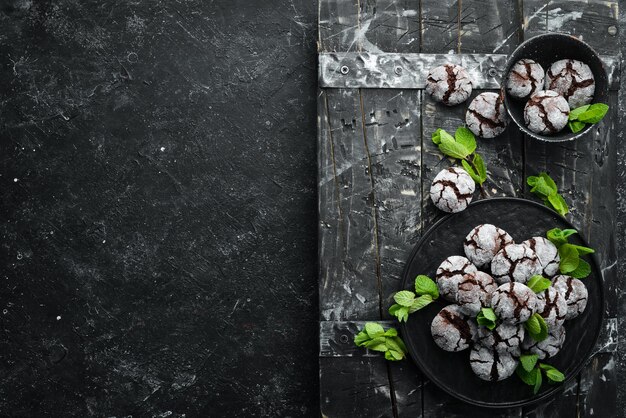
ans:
(452, 190)
(474, 292)
(525, 78)
(515, 263)
(449, 84)
(547, 253)
(573, 80)
(574, 292)
(483, 242)
(552, 307)
(491, 365)
(514, 302)
(548, 347)
(486, 115)
(503, 338)
(546, 112)
(452, 330)
(450, 273)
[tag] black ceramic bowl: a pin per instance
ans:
(522, 219)
(546, 49)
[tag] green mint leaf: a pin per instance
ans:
(528, 361)
(376, 344)
(404, 298)
(540, 187)
(576, 126)
(436, 136)
(583, 270)
(361, 338)
(568, 232)
(392, 344)
(487, 318)
(569, 258)
(451, 148)
(374, 330)
(480, 167)
(403, 314)
(543, 333)
(391, 332)
(573, 114)
(548, 180)
(538, 283)
(466, 138)
(393, 309)
(594, 114)
(583, 250)
(559, 237)
(527, 377)
(554, 376)
(424, 285)
(558, 204)
(489, 314)
(400, 344)
(470, 171)
(393, 355)
(420, 303)
(389, 356)
(538, 379)
(532, 326)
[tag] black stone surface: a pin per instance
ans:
(158, 214)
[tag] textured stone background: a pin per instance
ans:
(158, 218)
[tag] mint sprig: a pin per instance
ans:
(462, 146)
(571, 263)
(536, 327)
(487, 318)
(530, 372)
(407, 302)
(374, 337)
(545, 188)
(538, 283)
(587, 114)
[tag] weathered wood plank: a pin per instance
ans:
(337, 338)
(585, 171)
(440, 26)
(390, 25)
(564, 404)
(490, 26)
(338, 25)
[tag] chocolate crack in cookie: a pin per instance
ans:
(514, 303)
(574, 292)
(573, 80)
(551, 305)
(450, 272)
(503, 338)
(449, 84)
(486, 115)
(474, 292)
(548, 347)
(452, 190)
(515, 262)
(452, 330)
(547, 253)
(546, 112)
(525, 78)
(491, 365)
(483, 242)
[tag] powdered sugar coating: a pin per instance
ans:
(515, 262)
(573, 80)
(486, 115)
(551, 305)
(575, 293)
(452, 189)
(449, 84)
(452, 330)
(525, 78)
(548, 347)
(450, 272)
(546, 112)
(474, 292)
(547, 253)
(514, 303)
(483, 242)
(503, 338)
(490, 365)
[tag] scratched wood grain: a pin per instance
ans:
(585, 171)
(390, 25)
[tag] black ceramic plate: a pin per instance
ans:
(522, 219)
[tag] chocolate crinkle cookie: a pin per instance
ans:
(574, 292)
(449, 84)
(452, 330)
(525, 78)
(515, 263)
(486, 115)
(546, 112)
(452, 190)
(514, 303)
(450, 273)
(491, 365)
(475, 292)
(547, 253)
(483, 242)
(504, 338)
(548, 347)
(551, 305)
(573, 80)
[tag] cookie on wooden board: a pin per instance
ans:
(452, 190)
(486, 115)
(449, 84)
